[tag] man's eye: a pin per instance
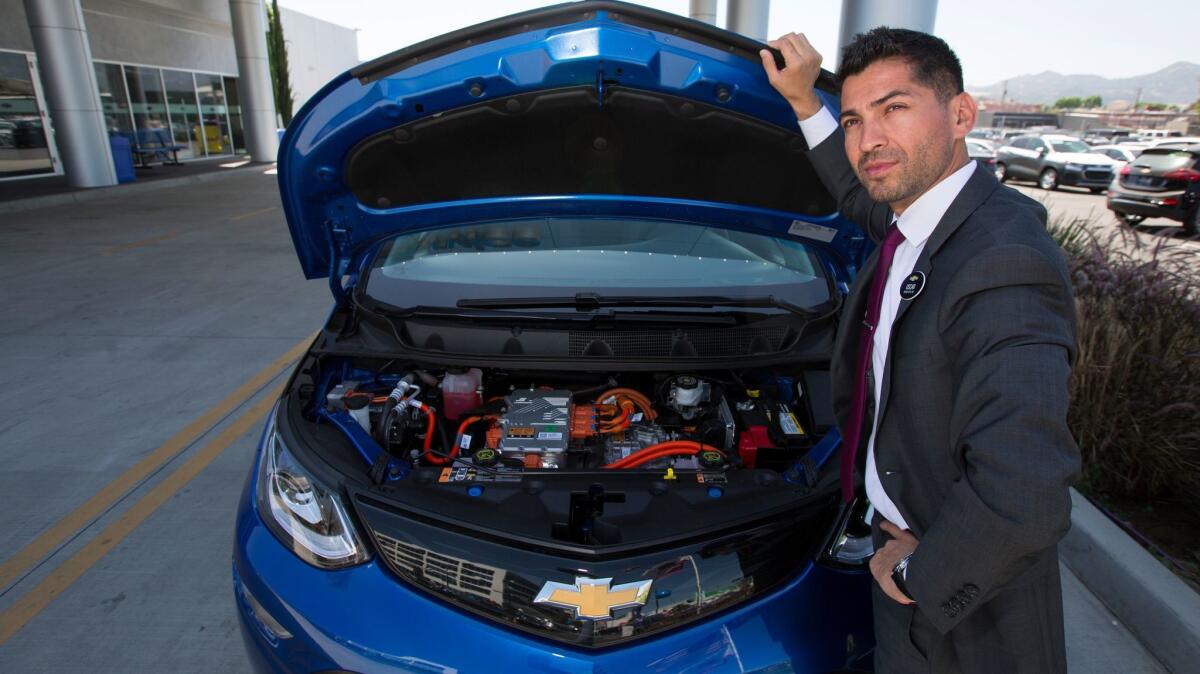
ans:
(849, 123)
(895, 106)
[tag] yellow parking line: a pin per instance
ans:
(251, 214)
(27, 607)
(50, 539)
(139, 243)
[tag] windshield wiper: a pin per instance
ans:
(500, 314)
(593, 301)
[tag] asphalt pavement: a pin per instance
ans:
(1069, 203)
(142, 335)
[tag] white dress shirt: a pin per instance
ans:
(917, 223)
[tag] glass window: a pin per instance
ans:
(1165, 160)
(1070, 146)
(213, 114)
(185, 115)
(149, 106)
(233, 102)
(23, 146)
(113, 101)
(564, 256)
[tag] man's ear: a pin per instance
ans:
(964, 111)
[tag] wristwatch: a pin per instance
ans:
(900, 575)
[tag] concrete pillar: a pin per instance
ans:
(254, 78)
(703, 10)
(69, 80)
(859, 16)
(748, 17)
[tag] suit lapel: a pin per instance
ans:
(845, 346)
(979, 187)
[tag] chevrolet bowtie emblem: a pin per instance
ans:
(593, 598)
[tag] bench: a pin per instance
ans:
(151, 144)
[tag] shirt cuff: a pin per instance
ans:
(818, 127)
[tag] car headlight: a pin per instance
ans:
(850, 543)
(1072, 166)
(304, 514)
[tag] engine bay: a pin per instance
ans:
(480, 424)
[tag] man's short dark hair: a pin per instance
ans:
(932, 61)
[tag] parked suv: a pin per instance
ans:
(1054, 160)
(1163, 182)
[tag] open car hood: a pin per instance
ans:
(584, 108)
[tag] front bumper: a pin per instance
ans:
(362, 619)
(1086, 178)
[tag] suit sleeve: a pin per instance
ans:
(1009, 322)
(828, 157)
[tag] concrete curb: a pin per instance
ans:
(1159, 608)
(80, 196)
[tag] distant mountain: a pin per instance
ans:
(1177, 83)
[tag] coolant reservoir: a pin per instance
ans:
(460, 392)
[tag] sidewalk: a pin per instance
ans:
(30, 193)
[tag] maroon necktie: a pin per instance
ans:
(866, 342)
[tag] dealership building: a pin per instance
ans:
(191, 74)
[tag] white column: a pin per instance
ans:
(73, 99)
(748, 17)
(860, 16)
(703, 10)
(254, 78)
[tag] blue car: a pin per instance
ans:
(571, 409)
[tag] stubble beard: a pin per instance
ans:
(911, 176)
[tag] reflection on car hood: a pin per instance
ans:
(448, 131)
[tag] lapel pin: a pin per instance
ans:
(912, 285)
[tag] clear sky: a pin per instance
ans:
(994, 40)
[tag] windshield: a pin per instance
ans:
(564, 256)
(1070, 146)
(1165, 161)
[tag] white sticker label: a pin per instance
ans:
(465, 442)
(547, 435)
(635, 418)
(557, 402)
(810, 231)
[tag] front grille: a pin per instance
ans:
(1097, 174)
(451, 572)
(694, 343)
(500, 582)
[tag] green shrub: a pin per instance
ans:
(1135, 390)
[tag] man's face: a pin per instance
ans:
(899, 136)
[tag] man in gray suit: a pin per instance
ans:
(951, 365)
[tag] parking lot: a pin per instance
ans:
(1073, 203)
(142, 341)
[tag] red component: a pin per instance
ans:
(1169, 201)
(749, 442)
(457, 403)
(1126, 170)
(1184, 174)
(533, 461)
(662, 450)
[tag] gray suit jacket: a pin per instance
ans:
(973, 444)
